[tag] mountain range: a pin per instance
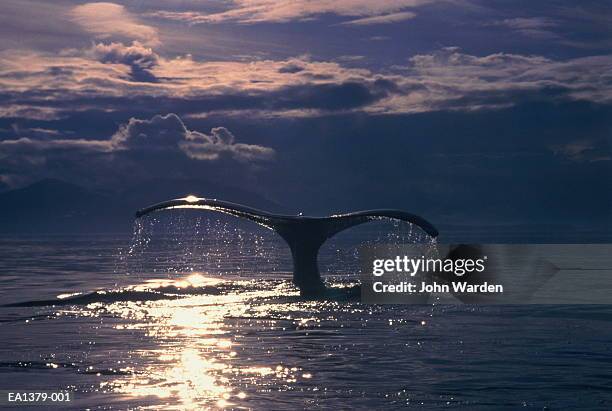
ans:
(55, 206)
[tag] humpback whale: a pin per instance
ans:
(303, 234)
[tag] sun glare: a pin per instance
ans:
(198, 280)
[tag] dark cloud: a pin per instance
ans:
(162, 145)
(119, 78)
(328, 96)
(163, 133)
(139, 58)
(291, 68)
(583, 151)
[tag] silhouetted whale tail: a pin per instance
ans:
(304, 235)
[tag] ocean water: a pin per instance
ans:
(198, 315)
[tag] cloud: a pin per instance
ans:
(452, 80)
(29, 144)
(383, 19)
(189, 17)
(116, 77)
(161, 133)
(139, 58)
(379, 38)
(583, 151)
(159, 146)
(351, 57)
(27, 111)
(169, 132)
(536, 27)
(109, 20)
(257, 11)
(35, 131)
(220, 141)
(291, 67)
(527, 23)
(113, 77)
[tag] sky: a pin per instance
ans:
(464, 110)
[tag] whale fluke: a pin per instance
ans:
(303, 234)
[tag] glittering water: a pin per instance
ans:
(199, 313)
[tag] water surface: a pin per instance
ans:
(163, 330)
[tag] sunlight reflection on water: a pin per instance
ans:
(196, 365)
(199, 363)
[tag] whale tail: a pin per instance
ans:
(303, 234)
